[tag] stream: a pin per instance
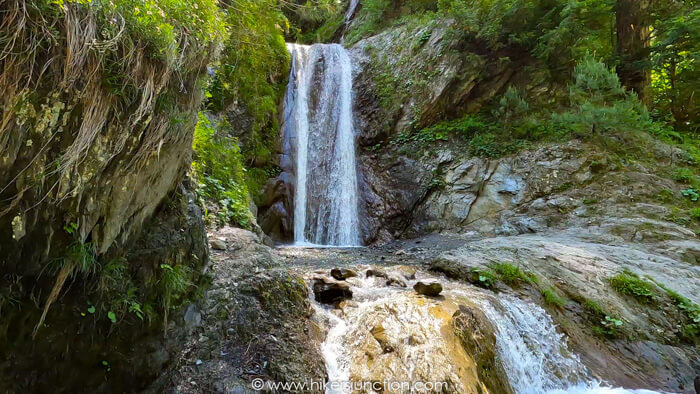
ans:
(389, 333)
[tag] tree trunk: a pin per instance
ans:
(632, 20)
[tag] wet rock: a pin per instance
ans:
(379, 333)
(393, 280)
(217, 244)
(343, 273)
(478, 338)
(430, 289)
(329, 291)
(406, 271)
(375, 272)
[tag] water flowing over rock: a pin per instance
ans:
(319, 145)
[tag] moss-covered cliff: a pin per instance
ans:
(100, 238)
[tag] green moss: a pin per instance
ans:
(605, 324)
(551, 297)
(630, 284)
(690, 328)
(511, 274)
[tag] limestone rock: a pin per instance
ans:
(406, 271)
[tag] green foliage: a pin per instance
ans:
(160, 24)
(218, 167)
(695, 214)
(173, 284)
(600, 105)
(326, 31)
(482, 277)
(252, 71)
(314, 20)
(691, 194)
(608, 327)
(605, 323)
(377, 14)
(551, 297)
(511, 274)
(119, 293)
(674, 57)
(683, 175)
(690, 329)
(630, 284)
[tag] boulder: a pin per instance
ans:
(217, 244)
(478, 338)
(343, 273)
(430, 289)
(329, 291)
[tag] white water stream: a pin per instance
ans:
(535, 356)
(319, 129)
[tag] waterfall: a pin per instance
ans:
(351, 10)
(535, 356)
(319, 135)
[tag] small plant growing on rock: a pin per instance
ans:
(608, 327)
(690, 329)
(482, 278)
(691, 193)
(629, 283)
(606, 324)
(511, 274)
(551, 297)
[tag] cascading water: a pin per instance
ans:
(320, 144)
(535, 357)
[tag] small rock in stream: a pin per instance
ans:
(430, 289)
(343, 273)
(375, 272)
(395, 281)
(329, 291)
(406, 271)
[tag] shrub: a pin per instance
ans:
(605, 323)
(683, 175)
(599, 104)
(630, 284)
(218, 168)
(695, 214)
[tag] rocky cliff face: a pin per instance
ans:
(96, 129)
(86, 146)
(414, 74)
